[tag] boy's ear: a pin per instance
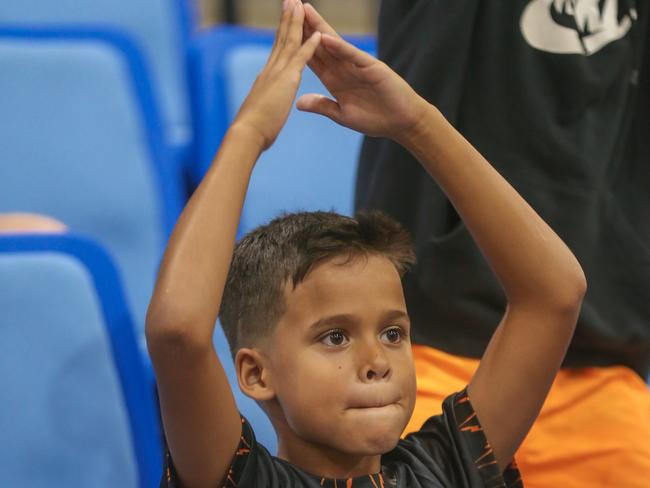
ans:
(253, 374)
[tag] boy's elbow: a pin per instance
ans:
(561, 296)
(578, 284)
(171, 328)
(581, 285)
(568, 297)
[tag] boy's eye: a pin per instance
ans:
(393, 335)
(334, 338)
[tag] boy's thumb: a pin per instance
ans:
(319, 104)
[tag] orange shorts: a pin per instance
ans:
(593, 431)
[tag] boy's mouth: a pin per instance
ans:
(376, 408)
(374, 401)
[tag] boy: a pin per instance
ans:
(314, 310)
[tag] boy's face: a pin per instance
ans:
(340, 357)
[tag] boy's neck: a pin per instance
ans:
(326, 462)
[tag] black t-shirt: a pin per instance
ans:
(450, 450)
(556, 95)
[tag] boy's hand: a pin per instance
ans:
(267, 105)
(370, 97)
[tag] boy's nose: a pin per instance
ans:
(376, 366)
(373, 374)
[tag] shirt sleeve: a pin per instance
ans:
(456, 442)
(247, 450)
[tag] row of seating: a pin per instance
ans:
(77, 408)
(82, 138)
(106, 122)
(161, 30)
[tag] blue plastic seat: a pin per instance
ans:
(311, 166)
(81, 140)
(76, 408)
(159, 28)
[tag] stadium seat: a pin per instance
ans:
(160, 30)
(311, 166)
(81, 140)
(76, 408)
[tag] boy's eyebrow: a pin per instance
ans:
(394, 315)
(350, 319)
(334, 320)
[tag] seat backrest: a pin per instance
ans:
(158, 27)
(80, 140)
(76, 409)
(312, 164)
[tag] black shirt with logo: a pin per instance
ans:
(556, 95)
(449, 451)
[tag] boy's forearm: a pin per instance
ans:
(202, 424)
(198, 410)
(195, 266)
(530, 260)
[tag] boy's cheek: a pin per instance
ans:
(310, 381)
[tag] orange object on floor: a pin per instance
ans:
(593, 431)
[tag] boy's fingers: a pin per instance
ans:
(307, 30)
(294, 35)
(307, 50)
(285, 21)
(321, 105)
(281, 33)
(316, 65)
(345, 51)
(316, 22)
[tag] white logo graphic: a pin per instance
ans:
(574, 26)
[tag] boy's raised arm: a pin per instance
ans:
(201, 420)
(542, 279)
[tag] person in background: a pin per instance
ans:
(14, 223)
(556, 95)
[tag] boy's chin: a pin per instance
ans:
(372, 444)
(379, 427)
(373, 440)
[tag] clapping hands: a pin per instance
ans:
(368, 96)
(267, 106)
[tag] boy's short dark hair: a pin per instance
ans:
(285, 250)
